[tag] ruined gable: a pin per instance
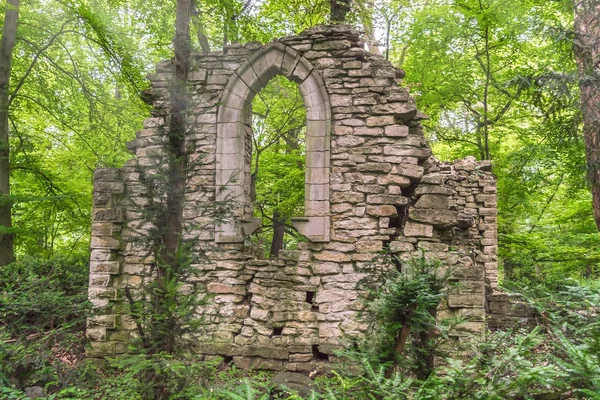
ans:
(371, 185)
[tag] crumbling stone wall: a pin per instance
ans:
(371, 184)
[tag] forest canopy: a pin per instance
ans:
(497, 79)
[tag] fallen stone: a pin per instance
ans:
(299, 383)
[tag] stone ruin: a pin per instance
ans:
(370, 184)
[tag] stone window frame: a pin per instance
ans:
(232, 117)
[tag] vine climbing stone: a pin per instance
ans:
(371, 185)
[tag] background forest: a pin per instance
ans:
(498, 80)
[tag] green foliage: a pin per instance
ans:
(469, 62)
(401, 307)
(74, 103)
(43, 306)
(43, 294)
(164, 307)
(278, 157)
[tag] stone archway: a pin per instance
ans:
(233, 122)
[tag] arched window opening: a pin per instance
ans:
(234, 143)
(278, 163)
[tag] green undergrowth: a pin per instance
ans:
(43, 310)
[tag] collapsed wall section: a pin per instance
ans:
(372, 187)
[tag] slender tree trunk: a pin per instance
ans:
(586, 47)
(177, 128)
(177, 165)
(426, 339)
(400, 341)
(338, 10)
(9, 34)
(367, 20)
(278, 234)
(388, 29)
(486, 97)
(197, 21)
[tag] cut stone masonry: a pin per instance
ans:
(371, 184)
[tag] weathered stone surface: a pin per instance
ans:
(244, 362)
(414, 229)
(433, 201)
(435, 217)
(35, 392)
(299, 383)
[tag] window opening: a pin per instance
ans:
(310, 298)
(317, 355)
(277, 171)
(277, 331)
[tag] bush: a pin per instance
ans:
(43, 308)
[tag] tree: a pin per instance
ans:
(9, 34)
(498, 82)
(177, 131)
(586, 46)
(338, 10)
(73, 73)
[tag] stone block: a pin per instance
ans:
(381, 120)
(96, 334)
(396, 131)
(347, 197)
(107, 267)
(434, 189)
(369, 246)
(104, 242)
(466, 300)
(468, 329)
(332, 45)
(97, 349)
(244, 362)
(438, 218)
(107, 175)
(324, 268)
(315, 228)
(103, 321)
(433, 201)
(114, 214)
(387, 199)
(331, 296)
(485, 198)
(265, 352)
(99, 280)
(221, 288)
(370, 189)
(382, 210)
(412, 229)
(102, 293)
(334, 256)
(401, 247)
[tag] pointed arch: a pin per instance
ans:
(233, 124)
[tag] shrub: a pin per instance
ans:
(43, 307)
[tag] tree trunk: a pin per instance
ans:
(586, 47)
(169, 267)
(177, 127)
(367, 22)
(400, 341)
(278, 233)
(338, 10)
(9, 34)
(202, 39)
(426, 342)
